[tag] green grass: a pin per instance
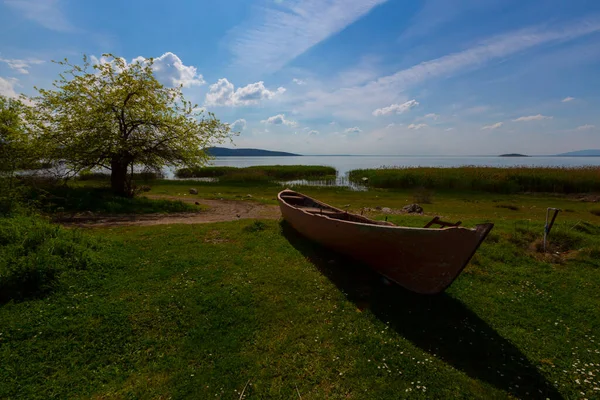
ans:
(98, 199)
(34, 254)
(198, 311)
(259, 173)
(488, 179)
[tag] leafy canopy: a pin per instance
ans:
(115, 115)
(15, 146)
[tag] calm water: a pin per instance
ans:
(343, 164)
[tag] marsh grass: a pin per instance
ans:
(488, 179)
(259, 173)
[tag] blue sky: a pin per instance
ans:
(429, 77)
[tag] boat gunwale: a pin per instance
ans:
(393, 227)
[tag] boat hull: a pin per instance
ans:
(422, 260)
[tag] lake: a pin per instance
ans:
(343, 164)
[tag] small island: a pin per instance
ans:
(226, 152)
(513, 155)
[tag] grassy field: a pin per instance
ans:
(204, 311)
(488, 179)
(259, 173)
(94, 196)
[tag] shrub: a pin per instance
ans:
(105, 176)
(35, 253)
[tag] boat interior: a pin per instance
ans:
(311, 206)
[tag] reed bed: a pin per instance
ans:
(259, 173)
(488, 179)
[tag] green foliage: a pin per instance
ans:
(16, 152)
(256, 226)
(63, 198)
(261, 172)
(15, 145)
(102, 176)
(116, 115)
(34, 254)
(489, 179)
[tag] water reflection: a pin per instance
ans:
(340, 181)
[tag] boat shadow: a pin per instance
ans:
(440, 324)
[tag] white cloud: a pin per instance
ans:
(397, 108)
(488, 50)
(493, 126)
(21, 66)
(7, 87)
(567, 99)
(449, 129)
(238, 125)
(169, 70)
(312, 133)
(417, 126)
(279, 119)
(433, 116)
(299, 81)
(476, 57)
(353, 130)
(47, 13)
(223, 93)
(281, 32)
(538, 117)
(586, 127)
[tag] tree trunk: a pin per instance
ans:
(118, 177)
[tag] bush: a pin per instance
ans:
(35, 253)
(105, 176)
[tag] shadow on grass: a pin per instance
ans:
(440, 324)
(63, 198)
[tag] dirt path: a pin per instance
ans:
(219, 211)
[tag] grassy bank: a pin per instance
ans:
(259, 173)
(488, 179)
(94, 196)
(202, 311)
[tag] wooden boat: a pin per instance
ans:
(423, 260)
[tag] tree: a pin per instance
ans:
(16, 151)
(118, 116)
(14, 143)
